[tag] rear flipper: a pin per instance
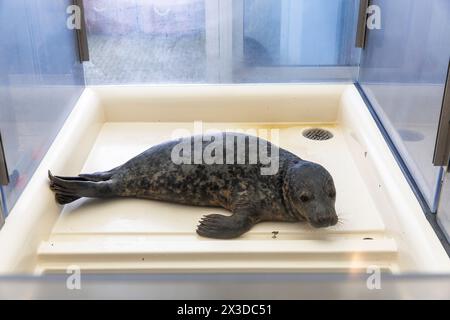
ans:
(63, 199)
(69, 189)
(98, 176)
(93, 177)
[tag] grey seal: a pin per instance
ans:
(300, 190)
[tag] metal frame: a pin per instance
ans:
(443, 214)
(2, 210)
(4, 180)
(219, 40)
(442, 149)
(4, 177)
(290, 74)
(82, 39)
(362, 29)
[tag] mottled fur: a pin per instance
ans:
(299, 191)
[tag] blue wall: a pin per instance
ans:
(40, 80)
(403, 71)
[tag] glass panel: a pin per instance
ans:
(297, 41)
(151, 41)
(221, 41)
(299, 32)
(40, 80)
(403, 72)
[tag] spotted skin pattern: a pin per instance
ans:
(299, 191)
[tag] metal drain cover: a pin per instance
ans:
(317, 134)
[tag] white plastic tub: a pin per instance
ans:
(383, 224)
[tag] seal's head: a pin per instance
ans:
(310, 191)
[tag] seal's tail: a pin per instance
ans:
(69, 189)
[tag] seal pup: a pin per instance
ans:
(299, 190)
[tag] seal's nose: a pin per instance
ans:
(324, 221)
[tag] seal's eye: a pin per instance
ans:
(332, 194)
(305, 197)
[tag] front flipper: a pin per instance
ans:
(225, 227)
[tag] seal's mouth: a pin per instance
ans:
(320, 221)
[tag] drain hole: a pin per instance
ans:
(368, 239)
(317, 134)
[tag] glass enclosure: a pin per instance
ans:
(221, 41)
(402, 69)
(403, 72)
(40, 80)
